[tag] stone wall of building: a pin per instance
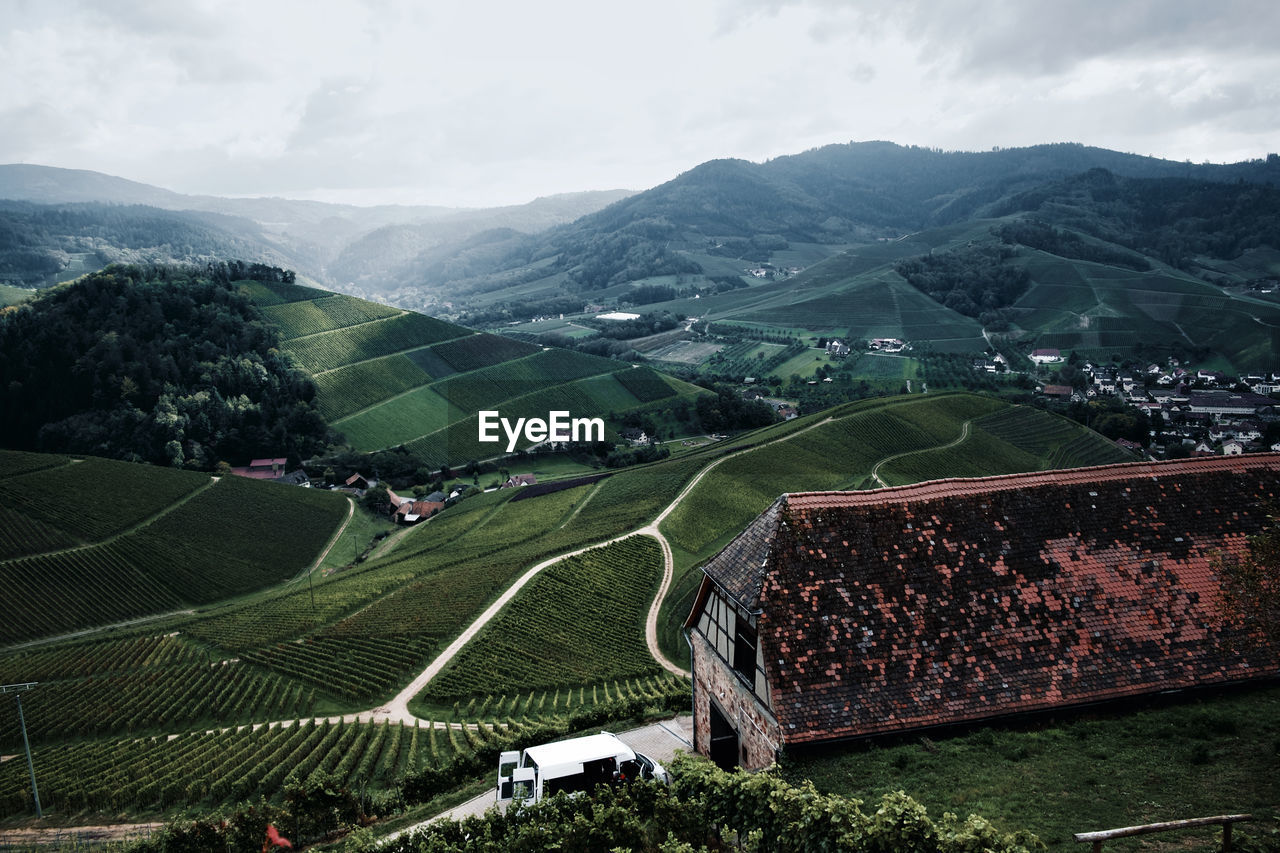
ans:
(758, 734)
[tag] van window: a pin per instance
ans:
(593, 773)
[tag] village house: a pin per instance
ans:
(517, 480)
(837, 349)
(272, 469)
(412, 510)
(841, 615)
(1046, 356)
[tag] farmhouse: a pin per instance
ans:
(840, 615)
(272, 469)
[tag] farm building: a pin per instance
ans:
(1046, 356)
(841, 615)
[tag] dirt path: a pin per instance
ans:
(875, 472)
(76, 834)
(87, 631)
(333, 540)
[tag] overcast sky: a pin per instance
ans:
(482, 103)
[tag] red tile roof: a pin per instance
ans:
(958, 600)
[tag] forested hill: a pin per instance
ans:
(838, 194)
(1176, 220)
(39, 243)
(164, 365)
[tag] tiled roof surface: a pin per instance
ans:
(740, 568)
(966, 599)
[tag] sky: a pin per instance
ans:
(493, 102)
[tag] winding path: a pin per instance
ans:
(964, 433)
(397, 710)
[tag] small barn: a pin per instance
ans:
(842, 615)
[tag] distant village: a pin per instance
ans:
(1192, 412)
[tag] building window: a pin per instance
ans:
(744, 652)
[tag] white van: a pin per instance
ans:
(578, 764)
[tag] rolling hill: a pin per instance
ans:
(386, 377)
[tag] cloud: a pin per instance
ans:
(498, 102)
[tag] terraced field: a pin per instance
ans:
(386, 377)
(580, 622)
(137, 539)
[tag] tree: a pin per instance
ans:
(1249, 584)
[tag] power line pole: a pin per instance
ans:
(17, 690)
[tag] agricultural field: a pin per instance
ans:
(1099, 311)
(350, 344)
(579, 622)
(139, 540)
(207, 769)
(313, 316)
(385, 377)
(137, 686)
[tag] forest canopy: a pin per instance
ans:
(174, 366)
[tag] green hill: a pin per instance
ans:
(387, 377)
(94, 541)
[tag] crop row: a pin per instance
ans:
(22, 536)
(212, 768)
(543, 703)
(98, 657)
(239, 535)
(536, 373)
(482, 350)
(288, 615)
(349, 389)
(72, 589)
(340, 347)
(236, 535)
(1029, 429)
(645, 384)
(579, 621)
(831, 456)
(296, 319)
(95, 498)
(15, 462)
(278, 292)
(1087, 448)
(227, 692)
(353, 667)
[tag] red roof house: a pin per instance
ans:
(841, 615)
(262, 469)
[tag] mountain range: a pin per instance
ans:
(830, 226)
